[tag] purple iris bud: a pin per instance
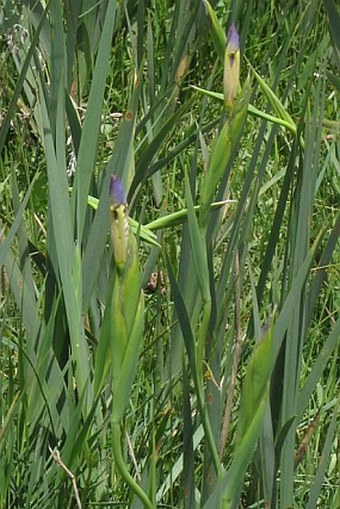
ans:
(117, 193)
(231, 75)
(233, 41)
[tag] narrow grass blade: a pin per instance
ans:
(275, 103)
(19, 84)
(62, 229)
(90, 132)
(251, 109)
(217, 32)
(334, 25)
(318, 367)
(318, 483)
(198, 247)
(6, 243)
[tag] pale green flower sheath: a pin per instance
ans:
(231, 74)
(119, 223)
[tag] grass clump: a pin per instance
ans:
(192, 361)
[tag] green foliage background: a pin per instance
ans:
(228, 395)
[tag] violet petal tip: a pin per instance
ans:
(117, 192)
(233, 41)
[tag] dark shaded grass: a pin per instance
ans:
(273, 259)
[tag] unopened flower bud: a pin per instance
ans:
(231, 76)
